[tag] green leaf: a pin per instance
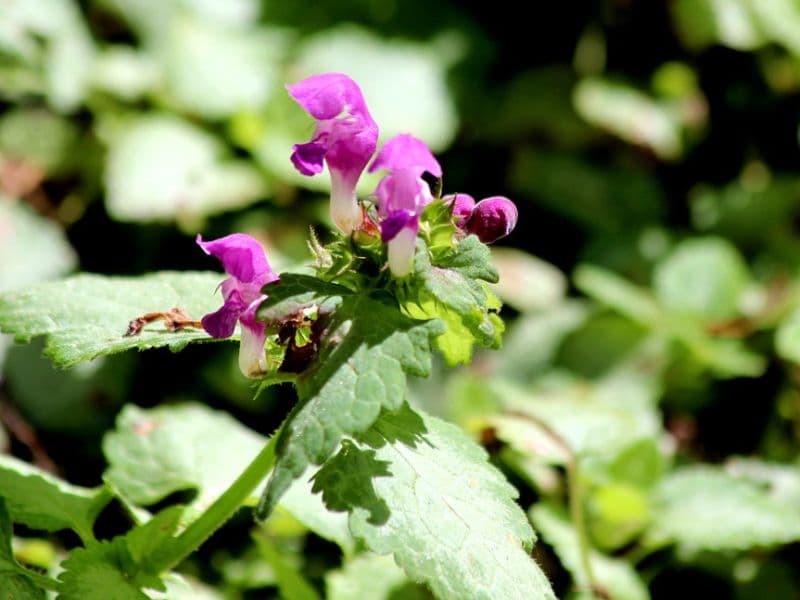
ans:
(87, 315)
(163, 168)
(39, 137)
(214, 71)
(370, 577)
(291, 584)
(702, 23)
(102, 571)
(154, 453)
(705, 277)
(368, 350)
(41, 501)
(526, 282)
(144, 540)
(617, 577)
(179, 587)
(421, 489)
(189, 447)
(597, 421)
(294, 292)
(453, 290)
(787, 338)
(705, 508)
(725, 357)
(34, 248)
(621, 109)
(14, 584)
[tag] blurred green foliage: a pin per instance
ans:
(652, 286)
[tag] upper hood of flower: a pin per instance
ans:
(404, 152)
(346, 135)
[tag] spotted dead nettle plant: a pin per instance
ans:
(406, 275)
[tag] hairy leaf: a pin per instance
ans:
(157, 452)
(87, 315)
(453, 289)
(41, 501)
(367, 351)
(421, 489)
(103, 570)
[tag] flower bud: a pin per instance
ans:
(492, 218)
(463, 204)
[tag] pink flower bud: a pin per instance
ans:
(493, 218)
(463, 205)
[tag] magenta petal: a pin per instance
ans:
(405, 152)
(242, 257)
(493, 218)
(327, 95)
(399, 219)
(307, 158)
(346, 135)
(220, 324)
(463, 205)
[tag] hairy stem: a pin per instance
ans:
(575, 493)
(218, 513)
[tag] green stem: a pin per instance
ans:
(575, 492)
(218, 513)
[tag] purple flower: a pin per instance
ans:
(492, 218)
(463, 204)
(345, 138)
(402, 195)
(244, 260)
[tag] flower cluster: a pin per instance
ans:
(345, 139)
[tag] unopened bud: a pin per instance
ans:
(493, 218)
(463, 204)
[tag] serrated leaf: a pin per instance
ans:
(14, 585)
(154, 453)
(87, 315)
(297, 291)
(103, 571)
(41, 501)
(421, 489)
(453, 289)
(617, 577)
(705, 508)
(367, 352)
